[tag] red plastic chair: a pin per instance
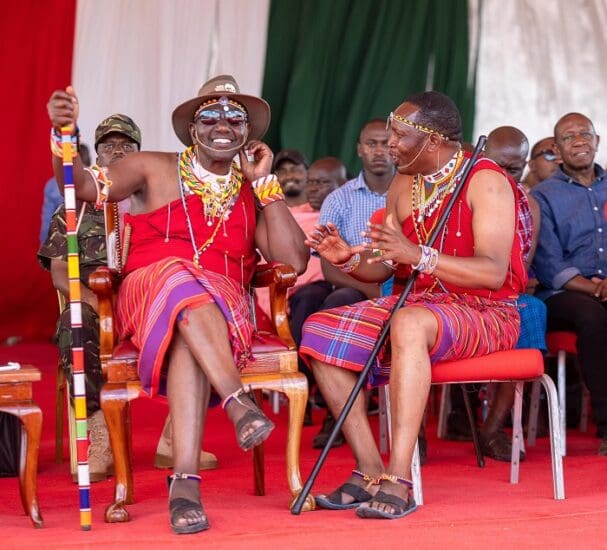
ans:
(559, 345)
(517, 366)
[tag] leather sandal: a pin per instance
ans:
(334, 501)
(253, 416)
(400, 506)
(180, 506)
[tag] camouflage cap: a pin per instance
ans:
(118, 123)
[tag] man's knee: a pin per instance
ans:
(413, 324)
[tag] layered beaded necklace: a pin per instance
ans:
(429, 192)
(217, 194)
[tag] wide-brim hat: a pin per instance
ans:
(223, 85)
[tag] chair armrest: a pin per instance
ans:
(104, 283)
(279, 278)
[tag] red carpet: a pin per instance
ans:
(466, 507)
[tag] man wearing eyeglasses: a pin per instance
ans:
(116, 137)
(571, 256)
(543, 162)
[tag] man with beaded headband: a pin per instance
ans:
(462, 304)
(197, 219)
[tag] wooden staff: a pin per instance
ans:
(73, 273)
(301, 498)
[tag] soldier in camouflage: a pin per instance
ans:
(115, 137)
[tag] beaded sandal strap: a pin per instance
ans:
(180, 475)
(366, 477)
(233, 396)
(392, 478)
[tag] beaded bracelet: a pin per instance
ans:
(267, 190)
(428, 261)
(102, 182)
(57, 144)
(350, 265)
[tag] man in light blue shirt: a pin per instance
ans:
(571, 256)
(349, 208)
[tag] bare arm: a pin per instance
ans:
(63, 111)
(279, 237)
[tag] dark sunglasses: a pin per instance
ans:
(548, 155)
(233, 117)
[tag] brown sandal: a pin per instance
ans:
(179, 506)
(248, 419)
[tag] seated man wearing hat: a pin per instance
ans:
(197, 219)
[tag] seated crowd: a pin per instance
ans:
(517, 256)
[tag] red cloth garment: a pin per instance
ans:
(164, 232)
(162, 280)
(457, 239)
(471, 322)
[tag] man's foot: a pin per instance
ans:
(252, 426)
(100, 458)
(307, 421)
(321, 438)
(393, 500)
(603, 447)
(164, 451)
(359, 488)
(186, 513)
(498, 446)
(458, 426)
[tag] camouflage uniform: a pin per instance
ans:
(92, 251)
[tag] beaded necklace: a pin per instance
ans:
(217, 193)
(436, 187)
(212, 193)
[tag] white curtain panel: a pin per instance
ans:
(144, 57)
(538, 60)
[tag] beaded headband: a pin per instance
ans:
(224, 102)
(394, 117)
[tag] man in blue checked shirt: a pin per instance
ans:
(571, 257)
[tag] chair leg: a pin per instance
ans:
(259, 482)
(445, 409)
(555, 437)
(416, 476)
(585, 406)
(562, 392)
(60, 396)
(473, 427)
(534, 408)
(517, 431)
(115, 405)
(295, 387)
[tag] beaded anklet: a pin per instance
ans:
(366, 477)
(392, 478)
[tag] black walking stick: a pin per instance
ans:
(301, 498)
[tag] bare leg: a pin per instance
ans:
(205, 332)
(413, 333)
(336, 385)
(188, 392)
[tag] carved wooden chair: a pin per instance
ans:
(274, 369)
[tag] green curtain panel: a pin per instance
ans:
(332, 65)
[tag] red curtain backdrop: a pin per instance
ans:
(35, 58)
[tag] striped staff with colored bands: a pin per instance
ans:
(73, 273)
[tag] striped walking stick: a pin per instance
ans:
(73, 273)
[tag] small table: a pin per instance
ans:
(16, 399)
